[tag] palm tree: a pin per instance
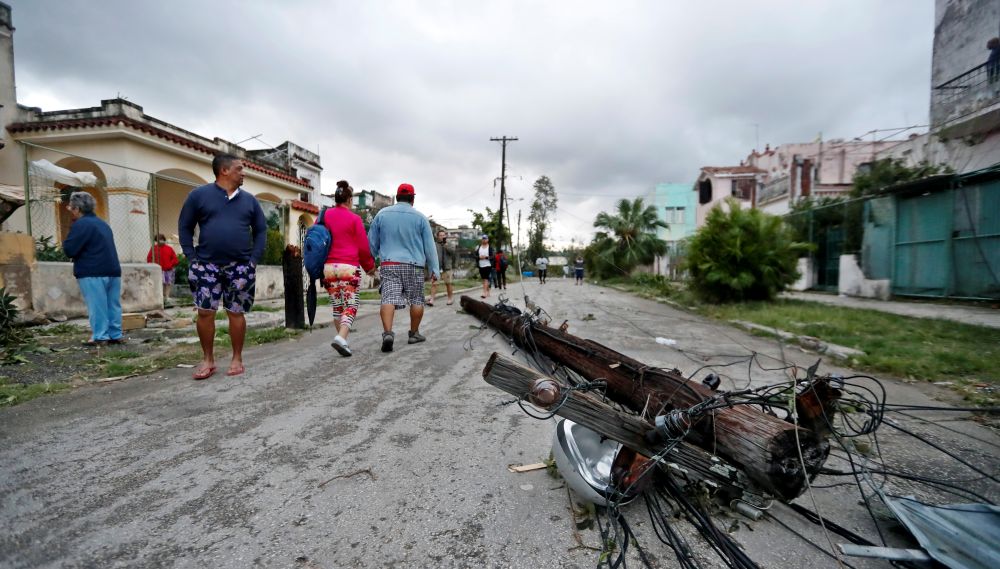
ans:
(628, 240)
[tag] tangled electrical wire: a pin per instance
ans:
(858, 414)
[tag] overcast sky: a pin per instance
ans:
(607, 99)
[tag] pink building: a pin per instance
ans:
(802, 169)
(716, 183)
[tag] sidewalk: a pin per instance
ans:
(955, 312)
(183, 326)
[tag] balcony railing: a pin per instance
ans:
(976, 89)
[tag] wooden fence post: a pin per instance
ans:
(291, 267)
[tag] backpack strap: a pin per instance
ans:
(321, 220)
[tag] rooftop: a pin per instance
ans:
(119, 113)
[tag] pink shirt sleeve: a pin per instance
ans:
(364, 252)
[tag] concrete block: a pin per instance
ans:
(806, 275)
(16, 249)
(133, 321)
(16, 280)
(54, 290)
(270, 283)
(853, 282)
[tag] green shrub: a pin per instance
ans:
(275, 246)
(742, 254)
(656, 284)
(181, 270)
(12, 335)
(46, 250)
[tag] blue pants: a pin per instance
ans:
(104, 306)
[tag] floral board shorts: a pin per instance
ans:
(402, 284)
(168, 277)
(232, 284)
(342, 282)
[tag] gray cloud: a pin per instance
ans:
(606, 100)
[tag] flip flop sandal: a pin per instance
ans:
(237, 371)
(204, 373)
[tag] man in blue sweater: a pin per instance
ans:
(401, 237)
(91, 245)
(223, 267)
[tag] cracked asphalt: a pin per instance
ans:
(379, 460)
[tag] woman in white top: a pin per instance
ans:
(484, 253)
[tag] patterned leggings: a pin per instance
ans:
(342, 282)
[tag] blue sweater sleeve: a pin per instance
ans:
(78, 235)
(185, 226)
(259, 227)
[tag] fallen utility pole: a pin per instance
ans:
(689, 462)
(765, 447)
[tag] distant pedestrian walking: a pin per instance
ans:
(543, 268)
(578, 270)
(448, 258)
(164, 256)
(500, 264)
(484, 256)
(91, 245)
(223, 267)
(401, 237)
(349, 254)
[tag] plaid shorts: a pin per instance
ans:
(233, 284)
(402, 284)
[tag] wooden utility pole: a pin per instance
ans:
(503, 180)
(775, 454)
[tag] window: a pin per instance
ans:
(704, 191)
(742, 188)
(675, 215)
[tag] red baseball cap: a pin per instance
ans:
(405, 190)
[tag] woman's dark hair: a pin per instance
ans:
(344, 192)
(993, 43)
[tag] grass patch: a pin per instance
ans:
(267, 335)
(917, 348)
(116, 369)
(18, 393)
(121, 355)
(256, 337)
(902, 346)
(63, 329)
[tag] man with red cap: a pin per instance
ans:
(401, 237)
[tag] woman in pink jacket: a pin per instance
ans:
(349, 253)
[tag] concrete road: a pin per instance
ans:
(380, 460)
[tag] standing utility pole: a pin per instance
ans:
(503, 179)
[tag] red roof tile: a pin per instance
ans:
(143, 127)
(732, 170)
(305, 206)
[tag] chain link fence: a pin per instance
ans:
(940, 241)
(834, 227)
(125, 198)
(137, 204)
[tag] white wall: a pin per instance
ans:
(957, 153)
(54, 290)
